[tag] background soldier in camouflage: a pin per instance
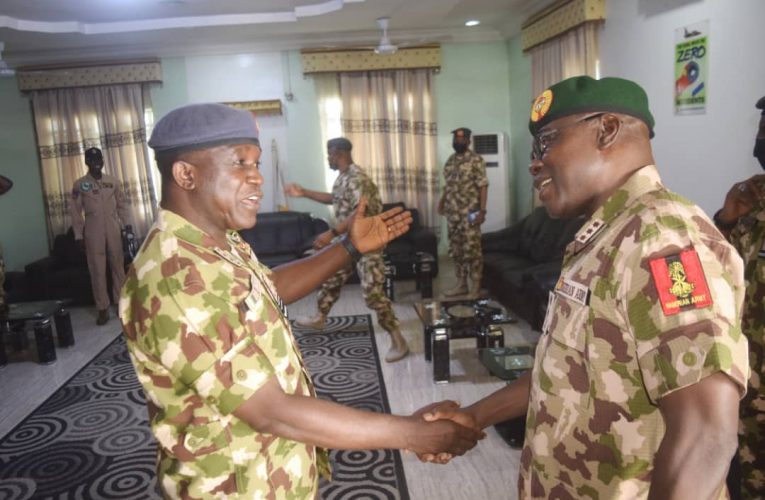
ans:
(99, 198)
(465, 188)
(5, 185)
(742, 219)
(230, 402)
(634, 390)
(349, 187)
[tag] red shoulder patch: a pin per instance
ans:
(680, 282)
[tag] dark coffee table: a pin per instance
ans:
(23, 316)
(456, 319)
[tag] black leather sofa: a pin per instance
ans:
(522, 263)
(62, 275)
(280, 237)
(405, 251)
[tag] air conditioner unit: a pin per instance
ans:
(494, 150)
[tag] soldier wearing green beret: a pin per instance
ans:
(742, 219)
(230, 402)
(641, 364)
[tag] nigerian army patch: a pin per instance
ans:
(680, 282)
(541, 105)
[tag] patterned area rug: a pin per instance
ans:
(91, 439)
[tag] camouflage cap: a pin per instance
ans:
(582, 94)
(202, 126)
(93, 154)
(465, 131)
(339, 143)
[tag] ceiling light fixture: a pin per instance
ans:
(472, 22)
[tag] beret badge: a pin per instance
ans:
(541, 105)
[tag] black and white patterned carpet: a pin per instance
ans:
(91, 439)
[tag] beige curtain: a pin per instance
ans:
(573, 53)
(390, 118)
(70, 120)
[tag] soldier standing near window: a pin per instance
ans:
(463, 203)
(97, 195)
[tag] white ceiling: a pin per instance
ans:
(56, 31)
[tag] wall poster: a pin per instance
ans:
(691, 68)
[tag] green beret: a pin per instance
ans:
(339, 143)
(583, 94)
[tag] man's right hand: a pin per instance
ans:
(444, 410)
(442, 438)
(294, 189)
(322, 240)
(742, 198)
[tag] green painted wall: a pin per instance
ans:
(306, 155)
(478, 86)
(23, 233)
(519, 86)
(173, 91)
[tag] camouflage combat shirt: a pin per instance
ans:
(205, 330)
(749, 239)
(464, 176)
(349, 187)
(647, 303)
(346, 191)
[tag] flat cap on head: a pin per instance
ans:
(761, 105)
(339, 143)
(93, 154)
(583, 94)
(202, 126)
(465, 131)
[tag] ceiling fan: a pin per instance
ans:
(5, 70)
(385, 46)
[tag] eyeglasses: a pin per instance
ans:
(543, 141)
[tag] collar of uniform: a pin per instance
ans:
(642, 181)
(186, 231)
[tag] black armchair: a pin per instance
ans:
(62, 275)
(403, 252)
(281, 237)
(521, 264)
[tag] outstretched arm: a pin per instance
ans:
(509, 402)
(331, 425)
(298, 191)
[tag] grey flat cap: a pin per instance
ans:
(761, 105)
(202, 126)
(339, 143)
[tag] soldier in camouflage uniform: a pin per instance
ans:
(5, 185)
(230, 402)
(635, 383)
(349, 187)
(742, 219)
(463, 202)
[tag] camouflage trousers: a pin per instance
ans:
(371, 271)
(465, 247)
(752, 422)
